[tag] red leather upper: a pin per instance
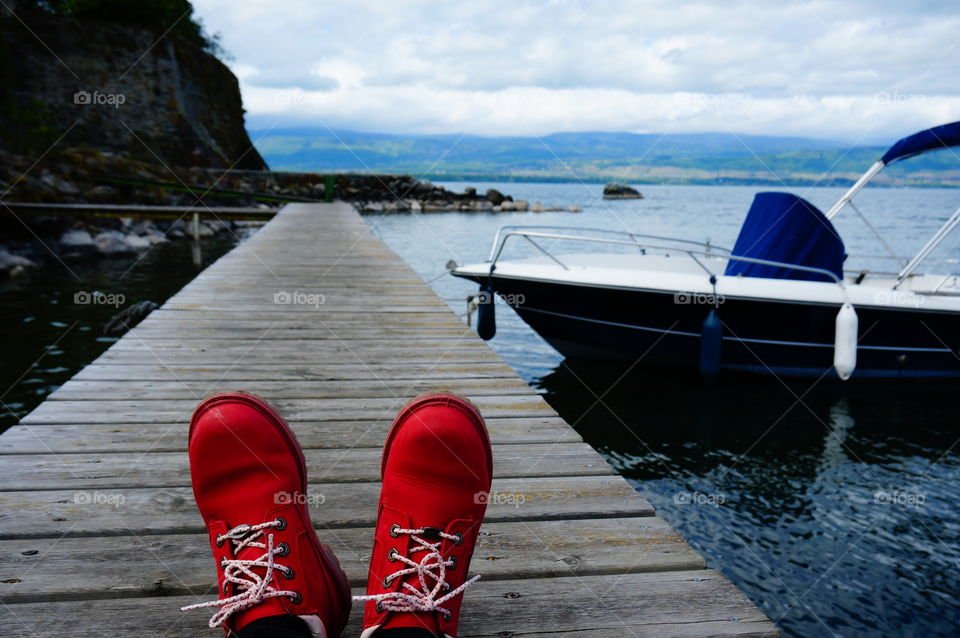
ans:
(437, 468)
(245, 465)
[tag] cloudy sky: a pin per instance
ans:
(855, 70)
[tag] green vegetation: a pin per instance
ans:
(173, 16)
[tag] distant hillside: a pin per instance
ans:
(642, 158)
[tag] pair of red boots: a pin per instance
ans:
(250, 483)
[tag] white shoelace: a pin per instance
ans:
(423, 599)
(253, 588)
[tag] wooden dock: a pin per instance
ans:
(99, 534)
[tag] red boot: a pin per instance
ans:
(436, 469)
(250, 483)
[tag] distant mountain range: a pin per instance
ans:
(708, 158)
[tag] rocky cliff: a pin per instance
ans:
(120, 89)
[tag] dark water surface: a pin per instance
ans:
(51, 329)
(833, 506)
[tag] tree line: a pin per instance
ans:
(166, 16)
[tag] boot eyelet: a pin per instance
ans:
(394, 530)
(219, 542)
(386, 581)
(379, 607)
(446, 587)
(296, 599)
(459, 540)
(392, 554)
(453, 562)
(281, 523)
(282, 549)
(287, 572)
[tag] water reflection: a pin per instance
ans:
(49, 336)
(831, 505)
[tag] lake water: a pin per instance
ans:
(49, 336)
(833, 506)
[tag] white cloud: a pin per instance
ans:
(827, 69)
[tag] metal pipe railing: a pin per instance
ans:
(938, 237)
(503, 236)
(632, 235)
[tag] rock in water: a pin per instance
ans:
(615, 190)
(128, 318)
(77, 244)
(495, 197)
(113, 243)
(136, 241)
(13, 265)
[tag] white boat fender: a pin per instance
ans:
(486, 316)
(845, 345)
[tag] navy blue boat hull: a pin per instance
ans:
(790, 339)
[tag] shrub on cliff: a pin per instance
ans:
(173, 16)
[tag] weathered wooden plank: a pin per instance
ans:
(339, 271)
(415, 333)
(132, 565)
(263, 353)
(281, 372)
(165, 314)
(262, 293)
(95, 438)
(227, 284)
(178, 410)
(79, 390)
(154, 469)
(676, 604)
(329, 348)
(141, 511)
(305, 310)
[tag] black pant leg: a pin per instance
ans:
(285, 626)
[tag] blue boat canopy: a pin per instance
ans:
(788, 229)
(931, 139)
